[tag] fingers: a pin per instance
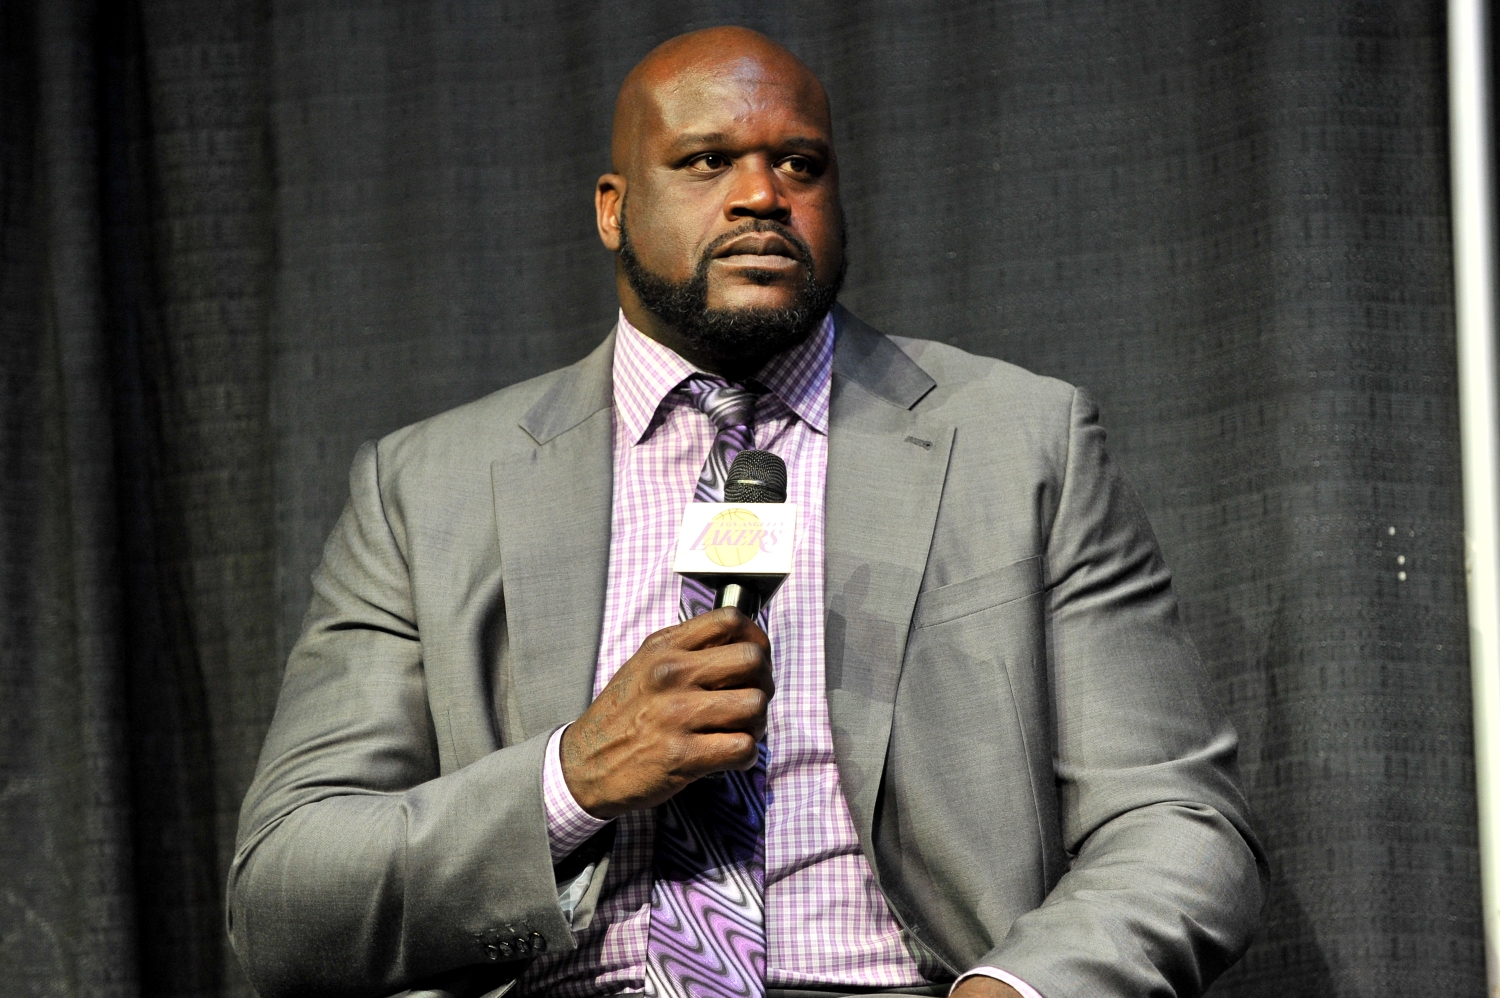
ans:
(726, 667)
(719, 751)
(721, 649)
(723, 626)
(740, 711)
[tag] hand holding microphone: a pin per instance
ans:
(692, 700)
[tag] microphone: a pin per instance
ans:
(755, 476)
(741, 547)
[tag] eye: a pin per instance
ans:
(709, 161)
(799, 166)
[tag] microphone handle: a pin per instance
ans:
(739, 593)
(744, 595)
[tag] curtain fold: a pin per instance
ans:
(68, 890)
(237, 238)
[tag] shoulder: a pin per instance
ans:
(438, 474)
(935, 378)
(433, 479)
(1010, 424)
(471, 436)
(965, 379)
(940, 381)
(1012, 431)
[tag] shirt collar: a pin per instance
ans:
(646, 372)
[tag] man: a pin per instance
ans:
(968, 746)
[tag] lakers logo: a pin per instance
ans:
(733, 538)
(741, 539)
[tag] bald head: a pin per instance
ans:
(721, 205)
(681, 71)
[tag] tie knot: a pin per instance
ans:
(724, 404)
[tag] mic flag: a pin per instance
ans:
(743, 546)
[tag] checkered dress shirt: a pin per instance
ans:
(826, 921)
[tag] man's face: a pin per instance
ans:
(731, 234)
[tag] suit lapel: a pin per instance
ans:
(886, 467)
(552, 513)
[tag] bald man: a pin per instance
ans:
(966, 748)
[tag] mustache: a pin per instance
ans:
(801, 250)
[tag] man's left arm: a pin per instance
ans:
(1167, 878)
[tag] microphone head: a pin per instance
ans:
(756, 476)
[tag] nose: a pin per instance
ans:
(756, 192)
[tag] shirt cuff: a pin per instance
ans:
(568, 824)
(1027, 991)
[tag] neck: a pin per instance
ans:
(651, 325)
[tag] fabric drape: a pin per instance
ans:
(239, 237)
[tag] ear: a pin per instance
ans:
(609, 201)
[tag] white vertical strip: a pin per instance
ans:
(1479, 419)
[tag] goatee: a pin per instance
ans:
(733, 338)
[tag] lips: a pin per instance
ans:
(759, 249)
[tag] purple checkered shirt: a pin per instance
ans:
(826, 921)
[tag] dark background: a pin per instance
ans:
(237, 238)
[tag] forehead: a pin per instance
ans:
(744, 98)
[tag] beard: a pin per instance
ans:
(733, 338)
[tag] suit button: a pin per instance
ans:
(522, 946)
(492, 952)
(538, 942)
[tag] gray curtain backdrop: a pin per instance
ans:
(237, 238)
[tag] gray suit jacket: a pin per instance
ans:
(1031, 751)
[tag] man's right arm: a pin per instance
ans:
(358, 868)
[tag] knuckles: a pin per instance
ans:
(676, 753)
(750, 704)
(657, 642)
(727, 619)
(745, 751)
(665, 673)
(676, 712)
(754, 656)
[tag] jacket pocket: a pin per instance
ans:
(1006, 584)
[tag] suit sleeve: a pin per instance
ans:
(359, 869)
(1167, 878)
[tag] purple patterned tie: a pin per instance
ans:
(708, 927)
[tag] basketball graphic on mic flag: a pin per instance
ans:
(743, 538)
(733, 538)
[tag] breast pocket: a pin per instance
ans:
(958, 599)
